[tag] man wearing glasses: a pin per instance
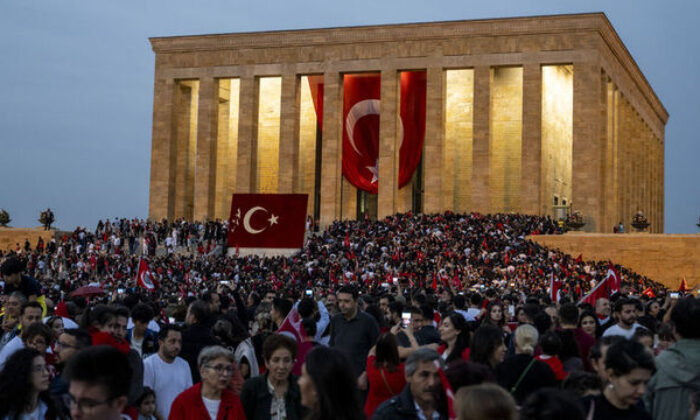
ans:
(99, 379)
(67, 345)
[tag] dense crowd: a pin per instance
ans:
(375, 319)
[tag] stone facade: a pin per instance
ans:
(522, 114)
(664, 258)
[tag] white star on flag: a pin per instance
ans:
(375, 171)
(273, 220)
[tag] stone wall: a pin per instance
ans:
(663, 258)
(9, 237)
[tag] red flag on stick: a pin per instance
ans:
(291, 326)
(579, 259)
(447, 389)
(434, 285)
(554, 286)
(684, 286)
(144, 278)
(649, 293)
(614, 277)
(604, 289)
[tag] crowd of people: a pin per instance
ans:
(414, 316)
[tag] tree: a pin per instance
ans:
(4, 218)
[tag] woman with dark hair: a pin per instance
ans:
(385, 372)
(552, 403)
(495, 315)
(588, 322)
(488, 347)
(454, 334)
(56, 325)
(629, 366)
(328, 386)
(24, 384)
(274, 395)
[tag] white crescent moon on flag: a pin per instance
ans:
(361, 109)
(246, 220)
(146, 280)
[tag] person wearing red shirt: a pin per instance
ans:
(210, 398)
(385, 373)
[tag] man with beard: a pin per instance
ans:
(626, 311)
(166, 373)
(418, 398)
(67, 345)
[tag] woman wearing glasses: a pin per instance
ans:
(24, 384)
(210, 398)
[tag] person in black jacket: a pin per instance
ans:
(522, 374)
(420, 393)
(197, 335)
(274, 395)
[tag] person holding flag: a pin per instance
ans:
(145, 278)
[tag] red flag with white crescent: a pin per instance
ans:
(361, 108)
(411, 124)
(145, 278)
(267, 221)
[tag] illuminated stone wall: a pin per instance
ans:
(227, 145)
(552, 105)
(459, 131)
(307, 143)
(506, 138)
(557, 133)
(268, 134)
(186, 145)
(663, 258)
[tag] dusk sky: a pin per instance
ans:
(76, 109)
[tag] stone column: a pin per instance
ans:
(482, 140)
(531, 197)
(247, 135)
(331, 148)
(184, 104)
(161, 198)
(587, 144)
(288, 178)
(388, 148)
(205, 161)
(433, 143)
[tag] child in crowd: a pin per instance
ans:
(146, 405)
(550, 343)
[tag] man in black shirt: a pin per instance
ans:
(354, 332)
(11, 271)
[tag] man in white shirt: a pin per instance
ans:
(166, 373)
(626, 310)
(30, 314)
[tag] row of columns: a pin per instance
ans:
(593, 172)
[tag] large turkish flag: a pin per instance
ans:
(267, 221)
(361, 130)
(361, 107)
(412, 127)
